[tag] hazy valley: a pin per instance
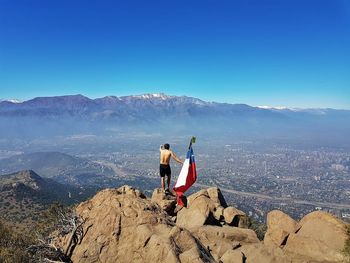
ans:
(264, 158)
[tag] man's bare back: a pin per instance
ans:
(164, 169)
(165, 155)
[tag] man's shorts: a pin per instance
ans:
(164, 169)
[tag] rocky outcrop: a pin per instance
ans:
(221, 239)
(279, 226)
(318, 237)
(123, 225)
(321, 237)
(208, 207)
(167, 202)
(259, 253)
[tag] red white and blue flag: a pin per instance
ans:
(187, 177)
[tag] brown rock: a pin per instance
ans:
(259, 253)
(198, 213)
(279, 226)
(219, 213)
(235, 217)
(320, 238)
(194, 255)
(232, 256)
(166, 202)
(221, 239)
(122, 225)
(213, 193)
(192, 197)
(205, 207)
(216, 195)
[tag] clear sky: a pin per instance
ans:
(292, 53)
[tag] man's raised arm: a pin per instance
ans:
(175, 158)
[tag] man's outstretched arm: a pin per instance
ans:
(176, 158)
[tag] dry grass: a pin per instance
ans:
(346, 250)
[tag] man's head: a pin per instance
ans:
(166, 146)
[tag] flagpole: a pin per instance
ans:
(193, 140)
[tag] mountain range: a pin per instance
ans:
(137, 106)
(159, 113)
(127, 108)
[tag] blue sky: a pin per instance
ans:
(292, 53)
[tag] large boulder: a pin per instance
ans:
(321, 238)
(122, 225)
(208, 207)
(279, 226)
(221, 239)
(259, 253)
(198, 213)
(235, 217)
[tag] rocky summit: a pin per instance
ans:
(123, 225)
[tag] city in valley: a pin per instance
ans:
(255, 176)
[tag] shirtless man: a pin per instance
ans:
(164, 168)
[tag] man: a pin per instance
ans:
(164, 167)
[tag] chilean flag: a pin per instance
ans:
(187, 177)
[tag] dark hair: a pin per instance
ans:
(167, 146)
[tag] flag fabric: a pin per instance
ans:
(187, 177)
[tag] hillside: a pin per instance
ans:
(123, 225)
(23, 195)
(63, 167)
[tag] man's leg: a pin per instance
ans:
(162, 182)
(168, 180)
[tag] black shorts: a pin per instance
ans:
(164, 169)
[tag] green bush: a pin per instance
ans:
(13, 246)
(259, 228)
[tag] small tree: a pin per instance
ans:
(62, 221)
(259, 228)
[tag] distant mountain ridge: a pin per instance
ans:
(24, 194)
(154, 97)
(113, 106)
(157, 113)
(145, 108)
(62, 167)
(127, 109)
(28, 184)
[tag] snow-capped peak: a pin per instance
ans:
(273, 107)
(12, 101)
(152, 96)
